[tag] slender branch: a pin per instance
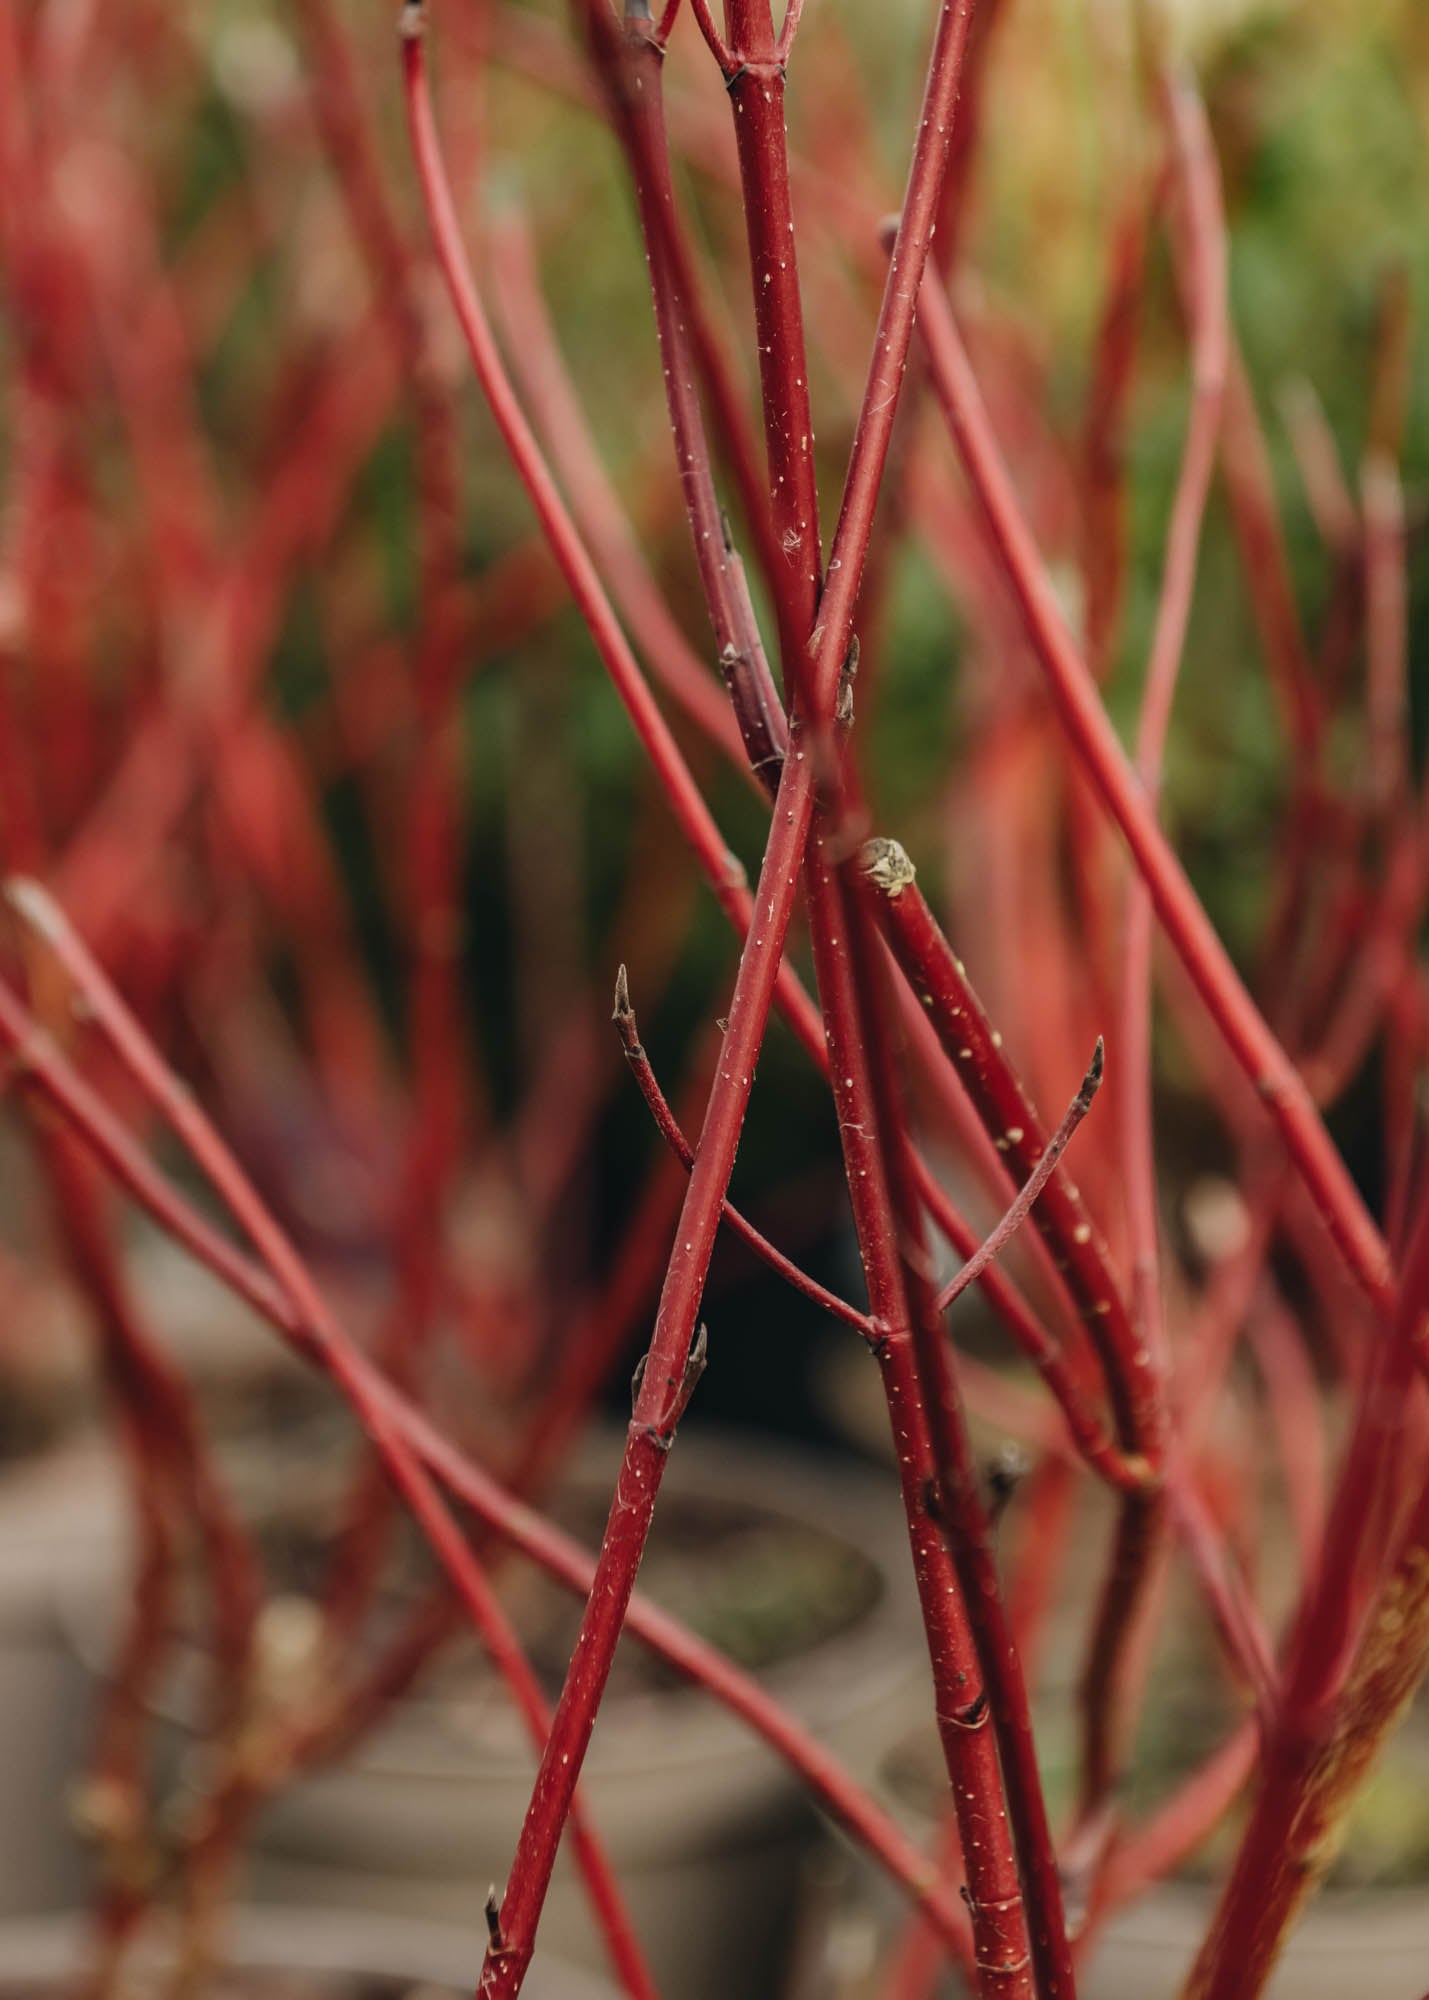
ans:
(954, 1499)
(327, 1339)
(1205, 266)
(1000, 1927)
(976, 1048)
(39, 1065)
(662, 1386)
(632, 72)
(1255, 1048)
(667, 1125)
(1014, 1217)
(1352, 1669)
(754, 79)
(717, 46)
(792, 12)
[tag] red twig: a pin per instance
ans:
(975, 1048)
(668, 1127)
(965, 1719)
(663, 1386)
(327, 1339)
(1254, 1046)
(1016, 1215)
(1204, 261)
(1352, 1661)
(597, 507)
(39, 1063)
(955, 1499)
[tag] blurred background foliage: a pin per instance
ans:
(1320, 113)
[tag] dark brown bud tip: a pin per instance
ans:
(1092, 1081)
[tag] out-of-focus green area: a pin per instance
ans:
(1320, 112)
(1320, 115)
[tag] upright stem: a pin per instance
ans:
(1349, 1678)
(665, 1384)
(412, 1479)
(856, 1034)
(1089, 730)
(975, 1050)
(633, 69)
(955, 1498)
(964, 1717)
(1204, 226)
(45, 1070)
(756, 93)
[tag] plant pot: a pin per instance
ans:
(66, 1529)
(1360, 1937)
(345, 1955)
(62, 1533)
(706, 1829)
(1350, 1945)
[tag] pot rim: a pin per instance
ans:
(862, 1667)
(365, 1943)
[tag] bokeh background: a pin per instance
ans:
(213, 612)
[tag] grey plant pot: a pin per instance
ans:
(351, 1952)
(62, 1533)
(706, 1828)
(1349, 1944)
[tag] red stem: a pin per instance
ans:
(669, 1129)
(342, 1361)
(1032, 1187)
(596, 505)
(664, 1385)
(1000, 1928)
(1255, 1048)
(954, 1498)
(39, 1063)
(1204, 261)
(1287, 1839)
